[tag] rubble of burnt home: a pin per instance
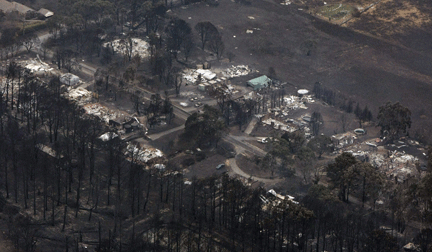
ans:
(147, 156)
(203, 75)
(281, 118)
(129, 47)
(274, 199)
(396, 165)
(237, 71)
(39, 68)
(344, 139)
(80, 95)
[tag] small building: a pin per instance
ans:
(69, 79)
(259, 82)
(46, 13)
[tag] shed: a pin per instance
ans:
(69, 79)
(259, 82)
(46, 13)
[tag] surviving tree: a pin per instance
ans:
(204, 129)
(177, 31)
(393, 119)
(315, 122)
(336, 172)
(321, 144)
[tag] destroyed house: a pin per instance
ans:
(259, 82)
(344, 139)
(69, 79)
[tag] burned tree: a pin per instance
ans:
(206, 32)
(216, 45)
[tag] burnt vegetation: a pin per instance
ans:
(64, 188)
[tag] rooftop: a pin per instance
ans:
(259, 82)
(46, 13)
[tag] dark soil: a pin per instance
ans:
(368, 69)
(206, 167)
(247, 165)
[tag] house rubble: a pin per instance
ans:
(396, 165)
(279, 117)
(139, 47)
(108, 136)
(104, 113)
(190, 94)
(279, 125)
(143, 155)
(237, 71)
(201, 75)
(38, 67)
(80, 95)
(272, 199)
(344, 139)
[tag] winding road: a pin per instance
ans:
(238, 171)
(238, 141)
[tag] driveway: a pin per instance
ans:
(238, 171)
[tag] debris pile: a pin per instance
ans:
(275, 199)
(108, 136)
(294, 102)
(206, 74)
(286, 2)
(397, 165)
(291, 102)
(278, 117)
(160, 167)
(237, 71)
(139, 47)
(343, 139)
(80, 95)
(192, 95)
(142, 155)
(192, 75)
(38, 67)
(104, 113)
(279, 125)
